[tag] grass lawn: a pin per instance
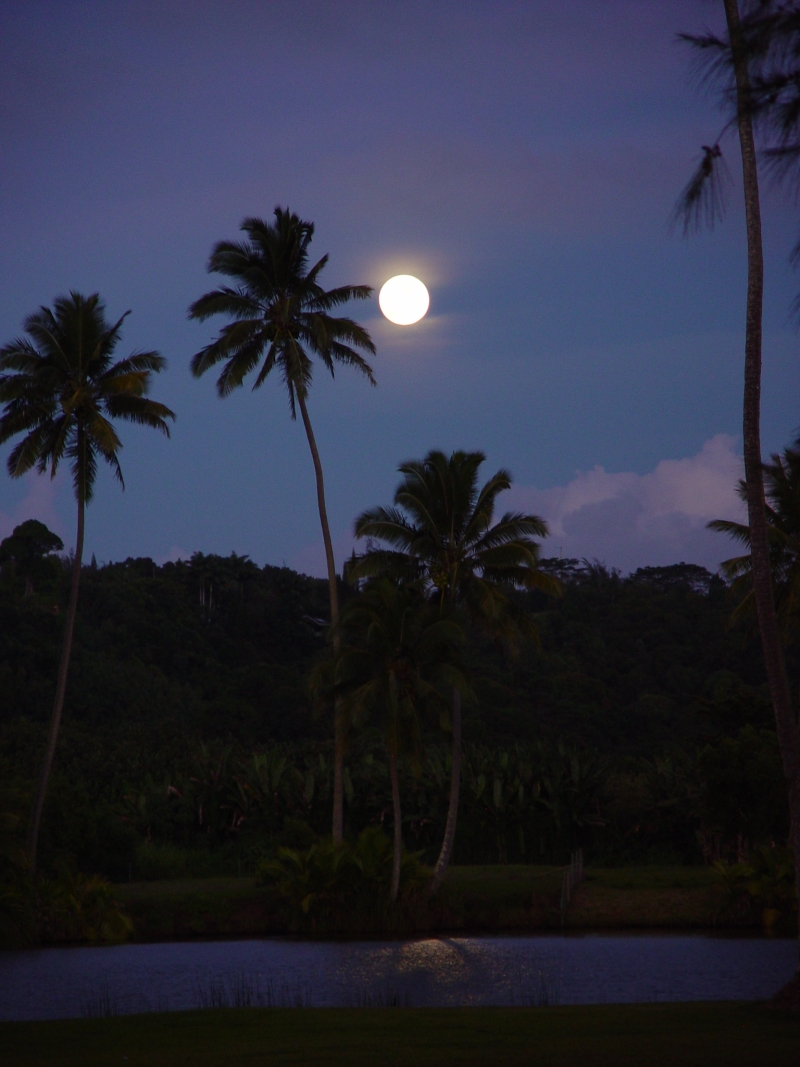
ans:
(473, 899)
(631, 897)
(199, 907)
(672, 1035)
(652, 877)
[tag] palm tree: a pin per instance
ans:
(280, 317)
(782, 488)
(398, 660)
(62, 390)
(441, 533)
(746, 48)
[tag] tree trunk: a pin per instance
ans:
(440, 870)
(58, 703)
(398, 827)
(338, 730)
(759, 538)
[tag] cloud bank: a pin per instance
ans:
(630, 520)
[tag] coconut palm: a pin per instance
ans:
(62, 390)
(398, 662)
(740, 58)
(280, 319)
(440, 532)
(782, 488)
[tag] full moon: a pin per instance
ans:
(404, 299)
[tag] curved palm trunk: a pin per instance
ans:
(759, 544)
(440, 870)
(338, 731)
(398, 826)
(58, 703)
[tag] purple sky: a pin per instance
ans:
(521, 158)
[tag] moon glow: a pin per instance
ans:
(404, 300)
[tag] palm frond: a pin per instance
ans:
(61, 433)
(737, 530)
(386, 524)
(27, 452)
(102, 434)
(513, 526)
(702, 202)
(19, 355)
(225, 301)
(24, 413)
(334, 297)
(267, 366)
(141, 364)
(396, 566)
(243, 337)
(140, 410)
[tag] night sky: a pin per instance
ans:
(522, 159)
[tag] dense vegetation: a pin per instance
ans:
(639, 729)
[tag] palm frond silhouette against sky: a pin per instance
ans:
(570, 329)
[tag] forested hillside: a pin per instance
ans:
(641, 701)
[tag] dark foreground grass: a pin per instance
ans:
(652, 1035)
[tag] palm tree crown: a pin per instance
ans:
(782, 489)
(441, 530)
(278, 309)
(64, 389)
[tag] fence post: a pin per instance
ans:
(564, 896)
(573, 876)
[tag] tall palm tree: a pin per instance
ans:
(61, 390)
(398, 661)
(441, 532)
(782, 488)
(737, 57)
(280, 318)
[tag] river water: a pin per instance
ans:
(50, 983)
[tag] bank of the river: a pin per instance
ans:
(693, 1035)
(476, 899)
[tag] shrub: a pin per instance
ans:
(342, 886)
(80, 907)
(767, 880)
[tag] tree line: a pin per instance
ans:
(639, 707)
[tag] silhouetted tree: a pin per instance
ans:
(280, 318)
(26, 549)
(441, 532)
(62, 390)
(742, 59)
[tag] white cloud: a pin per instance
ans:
(630, 520)
(175, 554)
(38, 503)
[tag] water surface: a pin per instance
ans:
(49, 983)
